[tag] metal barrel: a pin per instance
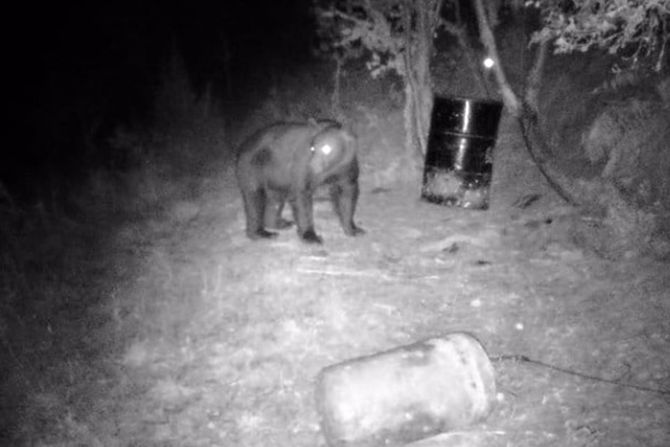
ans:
(406, 394)
(458, 164)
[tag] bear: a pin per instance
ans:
(288, 162)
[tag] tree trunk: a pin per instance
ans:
(534, 80)
(337, 78)
(510, 99)
(527, 112)
(421, 21)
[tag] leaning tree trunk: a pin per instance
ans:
(526, 112)
(421, 21)
(625, 229)
(510, 99)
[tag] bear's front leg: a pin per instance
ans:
(302, 206)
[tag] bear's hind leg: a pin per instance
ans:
(254, 207)
(344, 196)
(273, 209)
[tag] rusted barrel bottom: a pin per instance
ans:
(406, 394)
(451, 187)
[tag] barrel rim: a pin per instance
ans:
(469, 98)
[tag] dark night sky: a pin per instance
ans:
(74, 59)
(118, 43)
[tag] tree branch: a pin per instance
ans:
(533, 137)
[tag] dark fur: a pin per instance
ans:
(285, 162)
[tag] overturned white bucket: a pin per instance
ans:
(406, 394)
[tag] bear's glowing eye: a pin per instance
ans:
(326, 149)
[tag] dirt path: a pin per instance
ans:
(247, 326)
(218, 339)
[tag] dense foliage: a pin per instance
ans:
(634, 29)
